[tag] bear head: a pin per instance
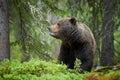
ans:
(63, 28)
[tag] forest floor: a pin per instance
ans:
(51, 70)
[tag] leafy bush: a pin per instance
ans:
(48, 70)
(36, 70)
(108, 75)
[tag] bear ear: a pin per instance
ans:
(73, 21)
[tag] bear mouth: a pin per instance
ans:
(53, 35)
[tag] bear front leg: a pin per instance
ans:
(86, 57)
(65, 56)
(86, 65)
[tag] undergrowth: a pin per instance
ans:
(48, 70)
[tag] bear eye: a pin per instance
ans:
(58, 24)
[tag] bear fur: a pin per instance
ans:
(77, 42)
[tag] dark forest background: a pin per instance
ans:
(24, 34)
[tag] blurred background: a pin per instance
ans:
(28, 21)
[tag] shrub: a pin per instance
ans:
(36, 70)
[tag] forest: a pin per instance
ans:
(28, 52)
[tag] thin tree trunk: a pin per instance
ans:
(107, 33)
(4, 31)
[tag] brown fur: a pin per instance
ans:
(77, 42)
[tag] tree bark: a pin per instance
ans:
(4, 31)
(107, 33)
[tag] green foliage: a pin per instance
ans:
(29, 34)
(111, 75)
(36, 70)
(117, 48)
(56, 8)
(51, 70)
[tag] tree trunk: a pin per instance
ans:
(107, 33)
(96, 27)
(4, 31)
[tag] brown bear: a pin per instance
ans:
(77, 42)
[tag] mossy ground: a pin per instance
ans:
(48, 70)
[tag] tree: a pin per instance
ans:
(96, 10)
(4, 31)
(107, 33)
(28, 29)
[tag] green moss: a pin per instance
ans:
(36, 70)
(48, 70)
